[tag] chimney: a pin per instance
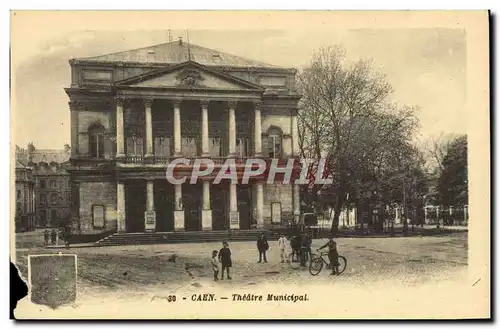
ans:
(180, 41)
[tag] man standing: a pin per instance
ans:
(262, 246)
(282, 242)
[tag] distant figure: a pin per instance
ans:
(67, 236)
(215, 265)
(295, 244)
(282, 243)
(225, 259)
(262, 246)
(53, 236)
(305, 248)
(46, 237)
(333, 256)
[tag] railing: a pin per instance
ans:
(218, 161)
(162, 160)
(135, 159)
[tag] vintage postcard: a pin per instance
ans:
(251, 165)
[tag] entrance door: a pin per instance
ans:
(191, 197)
(164, 206)
(219, 205)
(244, 206)
(135, 205)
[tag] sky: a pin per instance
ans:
(425, 66)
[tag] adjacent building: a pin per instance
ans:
(52, 192)
(25, 198)
(135, 111)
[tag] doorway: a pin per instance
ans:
(164, 205)
(192, 201)
(135, 205)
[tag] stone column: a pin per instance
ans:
(73, 106)
(120, 207)
(150, 215)
(232, 129)
(206, 214)
(257, 130)
(295, 136)
(149, 127)
(234, 215)
(259, 191)
(177, 128)
(179, 209)
(204, 128)
(120, 144)
(296, 203)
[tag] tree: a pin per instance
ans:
(345, 116)
(31, 147)
(453, 181)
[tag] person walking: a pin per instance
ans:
(225, 259)
(263, 247)
(282, 242)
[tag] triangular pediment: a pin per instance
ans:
(189, 75)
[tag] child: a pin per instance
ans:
(215, 265)
(282, 242)
(333, 256)
(225, 259)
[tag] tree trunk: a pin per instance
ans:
(336, 216)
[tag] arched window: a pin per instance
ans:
(96, 139)
(274, 143)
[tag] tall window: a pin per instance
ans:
(162, 146)
(53, 184)
(42, 183)
(53, 198)
(242, 146)
(274, 143)
(135, 145)
(96, 134)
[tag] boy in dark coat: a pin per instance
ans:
(262, 246)
(225, 259)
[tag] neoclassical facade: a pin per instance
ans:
(134, 112)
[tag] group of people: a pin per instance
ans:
(52, 237)
(299, 246)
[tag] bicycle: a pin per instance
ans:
(294, 260)
(318, 262)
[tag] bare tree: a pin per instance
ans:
(437, 148)
(345, 116)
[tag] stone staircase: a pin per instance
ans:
(182, 237)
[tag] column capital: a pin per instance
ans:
(74, 105)
(232, 104)
(120, 100)
(204, 104)
(257, 105)
(176, 102)
(148, 102)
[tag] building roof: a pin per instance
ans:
(177, 52)
(43, 155)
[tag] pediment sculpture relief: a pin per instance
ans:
(190, 78)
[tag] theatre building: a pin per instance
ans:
(133, 112)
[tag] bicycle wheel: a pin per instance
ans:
(316, 266)
(293, 261)
(342, 264)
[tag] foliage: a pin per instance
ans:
(346, 117)
(453, 180)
